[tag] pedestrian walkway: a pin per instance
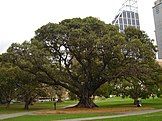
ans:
(5, 116)
(13, 115)
(69, 106)
(114, 116)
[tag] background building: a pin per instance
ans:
(157, 11)
(127, 15)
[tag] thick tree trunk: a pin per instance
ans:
(85, 100)
(86, 103)
(8, 104)
(27, 103)
(135, 101)
(26, 107)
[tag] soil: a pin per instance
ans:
(119, 110)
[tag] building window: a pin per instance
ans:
(121, 27)
(124, 14)
(137, 22)
(129, 21)
(132, 13)
(125, 26)
(133, 22)
(128, 14)
(136, 14)
(120, 20)
(125, 21)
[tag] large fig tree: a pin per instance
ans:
(82, 54)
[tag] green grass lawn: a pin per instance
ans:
(127, 102)
(19, 107)
(104, 103)
(55, 117)
(146, 117)
(155, 103)
(114, 102)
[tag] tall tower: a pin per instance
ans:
(127, 15)
(157, 11)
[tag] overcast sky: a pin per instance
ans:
(20, 18)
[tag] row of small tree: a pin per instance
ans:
(81, 55)
(19, 85)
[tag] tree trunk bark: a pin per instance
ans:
(26, 105)
(8, 104)
(135, 101)
(85, 100)
(86, 103)
(28, 102)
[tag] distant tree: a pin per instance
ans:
(72, 96)
(8, 87)
(18, 84)
(135, 88)
(56, 92)
(140, 84)
(83, 54)
(29, 88)
(105, 90)
(60, 92)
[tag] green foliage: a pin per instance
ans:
(18, 84)
(72, 96)
(105, 90)
(145, 78)
(83, 54)
(8, 83)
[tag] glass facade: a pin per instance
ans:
(127, 18)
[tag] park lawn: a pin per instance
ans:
(114, 102)
(52, 117)
(111, 103)
(147, 117)
(117, 102)
(154, 103)
(19, 107)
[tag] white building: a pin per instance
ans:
(127, 15)
(157, 11)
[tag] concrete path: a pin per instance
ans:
(114, 116)
(13, 115)
(5, 116)
(69, 106)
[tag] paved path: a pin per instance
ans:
(114, 116)
(13, 115)
(5, 116)
(69, 106)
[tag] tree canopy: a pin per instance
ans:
(16, 84)
(83, 54)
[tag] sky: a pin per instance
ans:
(20, 18)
